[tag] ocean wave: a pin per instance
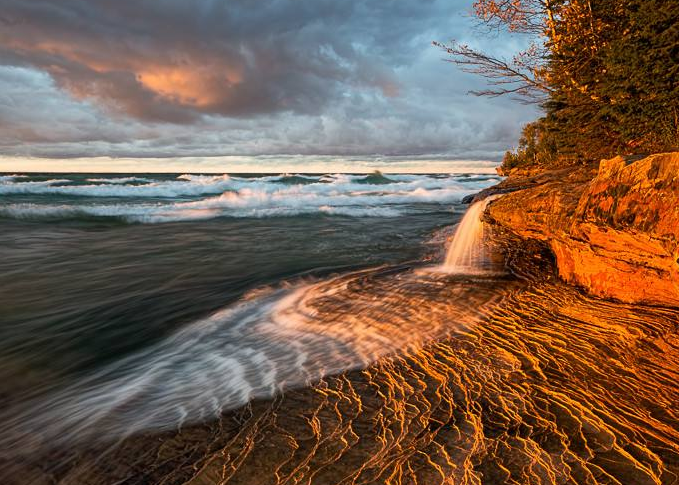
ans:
(296, 180)
(203, 179)
(31, 186)
(155, 214)
(158, 189)
(273, 339)
(212, 196)
(9, 178)
(375, 179)
(119, 180)
(188, 185)
(299, 198)
(247, 202)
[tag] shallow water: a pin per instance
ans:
(506, 379)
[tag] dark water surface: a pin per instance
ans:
(97, 269)
(77, 293)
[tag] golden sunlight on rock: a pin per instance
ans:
(616, 234)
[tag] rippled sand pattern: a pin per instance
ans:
(531, 382)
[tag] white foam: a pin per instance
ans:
(159, 189)
(338, 194)
(119, 180)
(204, 178)
(196, 185)
(260, 345)
(31, 187)
(149, 214)
(9, 178)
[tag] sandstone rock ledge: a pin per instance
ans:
(616, 234)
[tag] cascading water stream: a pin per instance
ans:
(467, 252)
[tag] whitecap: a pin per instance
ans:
(10, 178)
(169, 189)
(246, 197)
(119, 180)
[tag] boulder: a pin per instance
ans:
(616, 235)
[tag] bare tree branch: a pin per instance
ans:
(519, 76)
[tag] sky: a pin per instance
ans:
(216, 85)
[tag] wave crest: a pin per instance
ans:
(283, 195)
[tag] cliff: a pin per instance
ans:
(614, 232)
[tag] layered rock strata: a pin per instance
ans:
(615, 234)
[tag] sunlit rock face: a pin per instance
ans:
(616, 235)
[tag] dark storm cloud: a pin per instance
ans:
(168, 60)
(176, 77)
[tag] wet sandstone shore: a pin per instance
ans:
(531, 381)
(522, 379)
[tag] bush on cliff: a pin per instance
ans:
(536, 148)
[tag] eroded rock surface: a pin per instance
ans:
(615, 235)
(531, 382)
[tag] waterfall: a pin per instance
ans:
(467, 253)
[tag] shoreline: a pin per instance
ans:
(530, 382)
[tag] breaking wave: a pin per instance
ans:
(273, 339)
(155, 189)
(119, 180)
(9, 178)
(191, 197)
(150, 214)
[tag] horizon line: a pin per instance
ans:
(265, 164)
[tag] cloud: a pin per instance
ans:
(205, 78)
(170, 60)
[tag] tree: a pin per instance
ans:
(525, 74)
(642, 76)
(605, 72)
(536, 148)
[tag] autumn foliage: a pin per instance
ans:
(606, 73)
